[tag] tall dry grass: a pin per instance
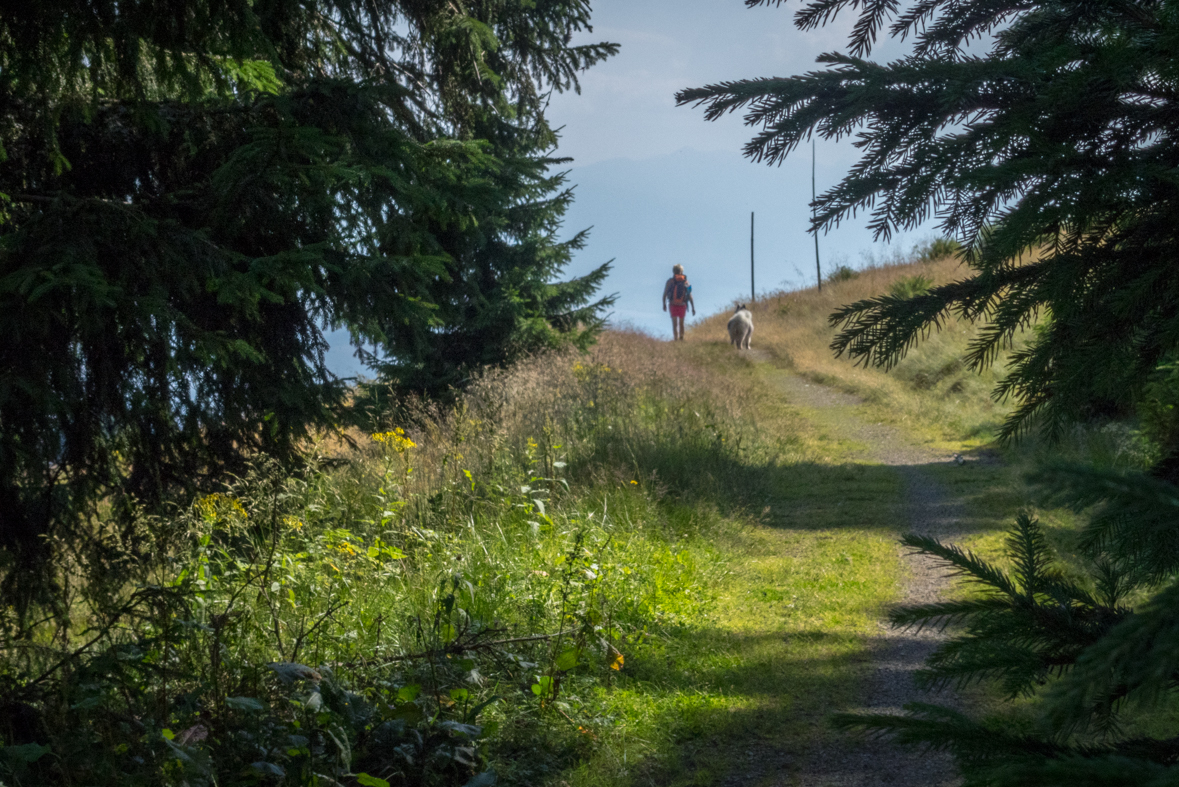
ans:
(632, 408)
(931, 391)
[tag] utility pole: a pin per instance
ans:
(818, 270)
(752, 285)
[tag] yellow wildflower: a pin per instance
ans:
(218, 506)
(395, 439)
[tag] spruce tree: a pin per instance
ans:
(190, 192)
(1020, 126)
(498, 297)
(1097, 662)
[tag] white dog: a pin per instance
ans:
(741, 328)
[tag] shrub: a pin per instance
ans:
(416, 606)
(1158, 408)
(910, 286)
(842, 273)
(938, 248)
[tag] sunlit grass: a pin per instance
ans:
(804, 585)
(930, 392)
(633, 566)
(614, 565)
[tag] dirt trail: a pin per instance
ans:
(849, 761)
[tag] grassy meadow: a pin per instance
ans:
(591, 569)
(637, 565)
(931, 393)
(936, 399)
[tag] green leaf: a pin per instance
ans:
(471, 731)
(410, 713)
(245, 704)
(567, 660)
(88, 703)
(25, 752)
(267, 769)
(474, 712)
(543, 686)
(485, 779)
(370, 781)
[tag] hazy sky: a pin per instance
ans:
(659, 185)
(627, 106)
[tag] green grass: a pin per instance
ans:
(616, 566)
(777, 648)
(803, 543)
(930, 392)
(637, 566)
(633, 567)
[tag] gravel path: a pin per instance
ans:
(853, 761)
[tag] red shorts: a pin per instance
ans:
(678, 311)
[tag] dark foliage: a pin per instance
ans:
(191, 192)
(496, 297)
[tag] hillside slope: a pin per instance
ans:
(930, 392)
(654, 563)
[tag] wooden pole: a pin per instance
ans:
(818, 270)
(752, 285)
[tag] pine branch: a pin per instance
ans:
(941, 614)
(964, 563)
(1133, 525)
(1138, 658)
(942, 729)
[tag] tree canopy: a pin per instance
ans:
(191, 192)
(1045, 127)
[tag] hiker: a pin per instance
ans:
(679, 293)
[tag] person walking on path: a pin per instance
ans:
(678, 292)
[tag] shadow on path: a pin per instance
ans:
(882, 672)
(887, 675)
(747, 701)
